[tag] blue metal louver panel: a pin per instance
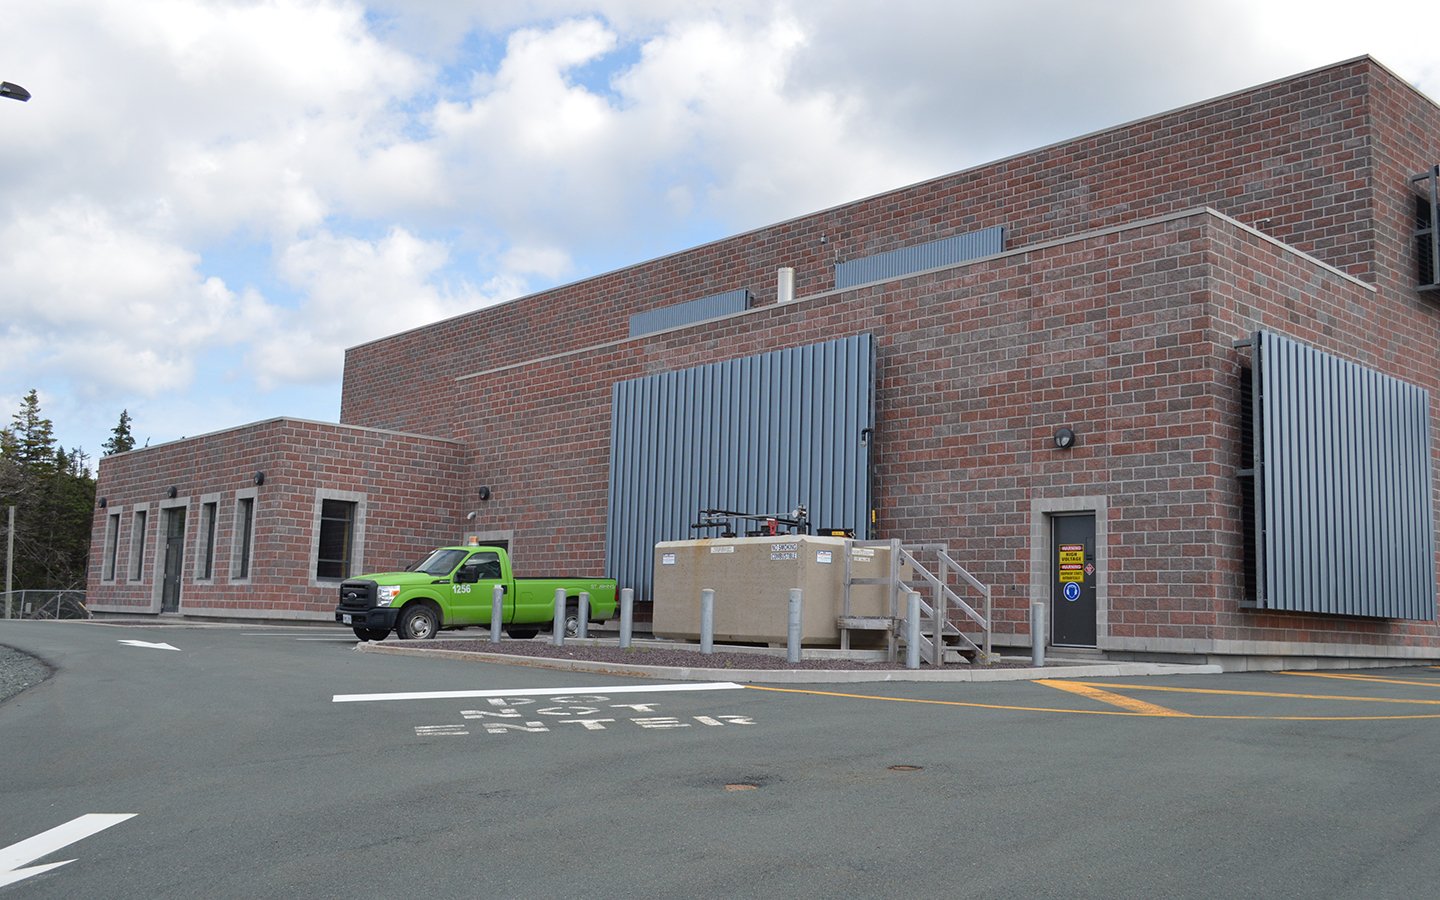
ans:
(761, 435)
(945, 252)
(653, 320)
(1343, 499)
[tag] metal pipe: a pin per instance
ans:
(557, 631)
(707, 621)
(582, 627)
(627, 616)
(497, 612)
(1037, 633)
(912, 631)
(792, 631)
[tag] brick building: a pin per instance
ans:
(1226, 304)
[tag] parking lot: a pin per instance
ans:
(281, 762)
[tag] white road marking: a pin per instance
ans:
(150, 645)
(542, 692)
(47, 842)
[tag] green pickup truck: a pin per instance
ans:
(454, 587)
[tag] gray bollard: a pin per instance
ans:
(582, 628)
(497, 612)
(792, 630)
(912, 631)
(1037, 633)
(557, 633)
(627, 616)
(707, 621)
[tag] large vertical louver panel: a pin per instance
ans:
(932, 255)
(762, 435)
(678, 314)
(1342, 486)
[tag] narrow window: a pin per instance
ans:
(137, 544)
(337, 532)
(207, 536)
(112, 546)
(245, 528)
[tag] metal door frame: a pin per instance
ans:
(1042, 511)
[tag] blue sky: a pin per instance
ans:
(205, 203)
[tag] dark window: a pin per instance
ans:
(112, 545)
(207, 550)
(137, 545)
(337, 532)
(245, 517)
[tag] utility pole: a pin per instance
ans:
(9, 558)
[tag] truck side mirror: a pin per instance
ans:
(467, 575)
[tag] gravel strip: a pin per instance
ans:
(658, 656)
(19, 671)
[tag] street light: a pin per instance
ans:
(13, 91)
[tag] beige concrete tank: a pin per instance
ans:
(752, 578)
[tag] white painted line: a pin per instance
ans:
(47, 842)
(151, 646)
(544, 692)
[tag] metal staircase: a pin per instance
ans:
(942, 637)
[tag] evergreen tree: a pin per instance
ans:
(54, 499)
(120, 437)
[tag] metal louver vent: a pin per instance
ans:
(1427, 228)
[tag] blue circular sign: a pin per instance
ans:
(1072, 591)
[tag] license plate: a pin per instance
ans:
(345, 618)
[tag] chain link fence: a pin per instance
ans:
(44, 605)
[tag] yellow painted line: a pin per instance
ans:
(1095, 693)
(1180, 690)
(1372, 678)
(1096, 712)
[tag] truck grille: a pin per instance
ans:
(357, 594)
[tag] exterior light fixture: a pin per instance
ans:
(104, 503)
(483, 493)
(13, 91)
(171, 492)
(259, 478)
(1064, 438)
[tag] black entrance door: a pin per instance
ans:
(1073, 571)
(174, 559)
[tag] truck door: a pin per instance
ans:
(473, 589)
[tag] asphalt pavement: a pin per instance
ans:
(270, 762)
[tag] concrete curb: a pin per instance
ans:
(805, 676)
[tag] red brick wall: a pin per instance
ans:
(1126, 337)
(413, 502)
(1294, 155)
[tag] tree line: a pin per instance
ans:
(53, 493)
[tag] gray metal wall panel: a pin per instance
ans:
(762, 434)
(1344, 486)
(691, 311)
(932, 255)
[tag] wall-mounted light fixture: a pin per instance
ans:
(171, 492)
(1064, 438)
(104, 503)
(259, 478)
(483, 493)
(470, 516)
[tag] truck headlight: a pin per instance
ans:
(387, 593)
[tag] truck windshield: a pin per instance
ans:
(441, 562)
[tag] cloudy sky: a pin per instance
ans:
(206, 201)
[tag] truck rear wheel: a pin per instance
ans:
(370, 634)
(417, 622)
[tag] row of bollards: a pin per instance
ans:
(793, 629)
(582, 625)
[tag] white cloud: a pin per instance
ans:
(357, 290)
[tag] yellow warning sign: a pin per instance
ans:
(1076, 574)
(1072, 557)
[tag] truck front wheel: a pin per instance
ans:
(417, 623)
